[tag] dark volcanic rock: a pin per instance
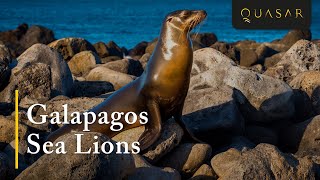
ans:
(110, 49)
(5, 60)
(6, 169)
(22, 38)
(228, 50)
(68, 47)
(36, 34)
(259, 134)
(139, 49)
(207, 39)
(114, 49)
(11, 39)
(91, 88)
(295, 35)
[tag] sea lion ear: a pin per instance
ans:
(169, 19)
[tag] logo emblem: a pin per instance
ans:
(271, 14)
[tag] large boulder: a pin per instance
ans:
(36, 34)
(61, 77)
(302, 56)
(23, 37)
(212, 115)
(261, 98)
(5, 60)
(11, 39)
(263, 162)
(126, 66)
(68, 47)
(33, 83)
(81, 166)
(309, 82)
(81, 63)
(117, 79)
(187, 158)
(295, 35)
(109, 49)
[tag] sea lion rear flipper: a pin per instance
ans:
(152, 128)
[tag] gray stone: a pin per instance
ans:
(261, 98)
(302, 56)
(61, 77)
(212, 115)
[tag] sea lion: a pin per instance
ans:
(163, 86)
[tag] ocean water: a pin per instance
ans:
(128, 22)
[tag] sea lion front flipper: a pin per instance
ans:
(152, 128)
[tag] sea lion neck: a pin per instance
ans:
(170, 39)
(172, 35)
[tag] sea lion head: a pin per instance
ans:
(185, 20)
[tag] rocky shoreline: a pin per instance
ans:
(255, 106)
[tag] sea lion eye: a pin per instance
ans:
(169, 19)
(185, 13)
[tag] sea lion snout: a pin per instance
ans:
(186, 20)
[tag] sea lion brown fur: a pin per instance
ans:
(162, 88)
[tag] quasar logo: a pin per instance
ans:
(245, 18)
(271, 14)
